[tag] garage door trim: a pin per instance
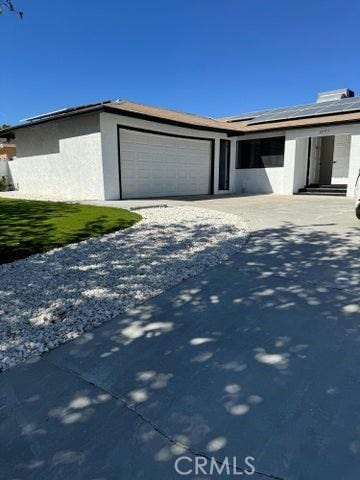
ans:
(166, 134)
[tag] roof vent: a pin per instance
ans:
(334, 95)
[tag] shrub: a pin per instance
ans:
(5, 183)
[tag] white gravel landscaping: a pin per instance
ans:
(50, 298)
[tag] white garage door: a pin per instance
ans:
(159, 165)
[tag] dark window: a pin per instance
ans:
(260, 153)
(224, 165)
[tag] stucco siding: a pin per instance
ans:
(295, 164)
(354, 164)
(259, 180)
(60, 159)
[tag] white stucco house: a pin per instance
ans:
(121, 150)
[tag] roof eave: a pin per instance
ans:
(296, 127)
(168, 121)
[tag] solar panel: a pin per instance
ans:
(353, 105)
(246, 116)
(330, 109)
(281, 111)
(312, 109)
(54, 113)
(253, 115)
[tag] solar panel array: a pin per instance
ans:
(248, 115)
(344, 105)
(61, 111)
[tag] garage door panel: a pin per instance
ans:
(159, 165)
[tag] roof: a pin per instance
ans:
(246, 127)
(300, 116)
(68, 110)
(246, 115)
(46, 117)
(137, 109)
(318, 109)
(132, 109)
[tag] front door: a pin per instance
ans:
(340, 169)
(326, 160)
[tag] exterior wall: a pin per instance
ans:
(295, 164)
(60, 159)
(108, 126)
(324, 131)
(354, 164)
(258, 180)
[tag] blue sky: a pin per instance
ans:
(212, 57)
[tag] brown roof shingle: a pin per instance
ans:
(133, 109)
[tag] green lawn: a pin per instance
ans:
(28, 227)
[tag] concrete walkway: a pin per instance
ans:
(258, 357)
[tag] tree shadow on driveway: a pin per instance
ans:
(256, 357)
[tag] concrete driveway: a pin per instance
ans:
(256, 358)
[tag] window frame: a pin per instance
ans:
(256, 157)
(227, 162)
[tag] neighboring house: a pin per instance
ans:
(7, 150)
(119, 149)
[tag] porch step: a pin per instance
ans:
(328, 194)
(332, 185)
(329, 190)
(336, 185)
(323, 189)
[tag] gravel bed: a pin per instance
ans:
(50, 298)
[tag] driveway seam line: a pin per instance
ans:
(149, 422)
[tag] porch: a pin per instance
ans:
(327, 166)
(323, 162)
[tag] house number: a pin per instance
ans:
(322, 132)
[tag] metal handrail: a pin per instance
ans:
(357, 181)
